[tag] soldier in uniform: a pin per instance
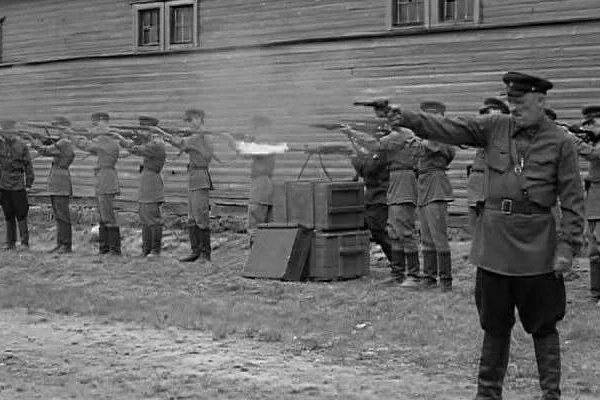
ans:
(373, 169)
(435, 191)
(400, 156)
(16, 175)
(199, 148)
(151, 193)
(591, 152)
(59, 183)
(475, 171)
(520, 258)
(106, 148)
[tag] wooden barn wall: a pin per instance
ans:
(37, 30)
(515, 11)
(299, 84)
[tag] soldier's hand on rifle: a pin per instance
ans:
(562, 265)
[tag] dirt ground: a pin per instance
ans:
(83, 327)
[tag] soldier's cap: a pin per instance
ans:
(433, 107)
(589, 113)
(7, 124)
(550, 113)
(494, 103)
(193, 112)
(260, 121)
(518, 84)
(60, 121)
(148, 121)
(100, 116)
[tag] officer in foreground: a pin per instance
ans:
(520, 257)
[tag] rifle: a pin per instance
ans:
(580, 132)
(378, 103)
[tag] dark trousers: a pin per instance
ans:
(62, 216)
(15, 204)
(376, 216)
(540, 301)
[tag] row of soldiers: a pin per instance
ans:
(101, 140)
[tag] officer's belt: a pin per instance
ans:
(402, 169)
(196, 167)
(477, 170)
(509, 206)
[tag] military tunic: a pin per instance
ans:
(107, 184)
(475, 195)
(151, 192)
(516, 235)
(16, 174)
(200, 150)
(260, 205)
(373, 169)
(63, 154)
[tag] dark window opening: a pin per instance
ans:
(456, 10)
(149, 27)
(408, 12)
(182, 24)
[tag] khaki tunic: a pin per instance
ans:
(376, 176)
(516, 244)
(200, 150)
(16, 170)
(63, 154)
(401, 155)
(476, 178)
(107, 151)
(261, 175)
(151, 183)
(434, 184)
(591, 153)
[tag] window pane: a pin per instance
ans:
(456, 10)
(408, 12)
(149, 27)
(182, 24)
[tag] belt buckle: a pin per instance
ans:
(506, 206)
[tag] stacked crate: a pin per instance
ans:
(334, 211)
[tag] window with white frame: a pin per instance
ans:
(428, 13)
(165, 25)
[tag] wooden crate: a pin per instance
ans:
(339, 255)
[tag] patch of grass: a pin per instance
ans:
(354, 321)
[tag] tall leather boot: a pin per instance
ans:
(430, 268)
(156, 232)
(114, 240)
(492, 367)
(146, 240)
(23, 232)
(398, 265)
(204, 240)
(103, 247)
(413, 269)
(595, 277)
(11, 234)
(547, 355)
(445, 267)
(66, 237)
(194, 233)
(59, 234)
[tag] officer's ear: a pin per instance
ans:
(540, 100)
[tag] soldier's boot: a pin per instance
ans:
(114, 240)
(66, 237)
(398, 265)
(103, 247)
(204, 240)
(59, 234)
(445, 267)
(146, 240)
(11, 234)
(157, 233)
(23, 232)
(595, 277)
(413, 279)
(547, 355)
(194, 233)
(492, 367)
(430, 269)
